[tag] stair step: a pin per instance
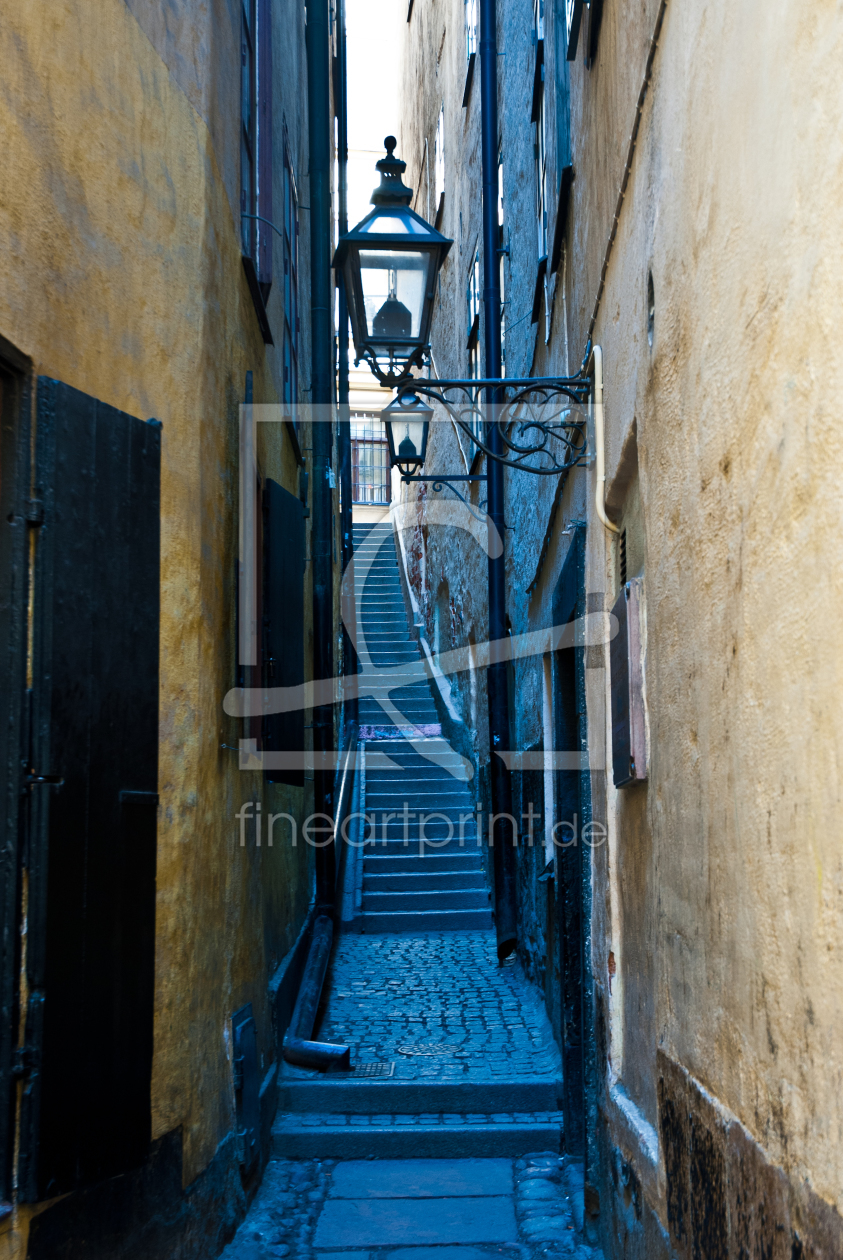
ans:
(436, 863)
(424, 881)
(420, 902)
(391, 817)
(331, 1135)
(337, 1094)
(426, 921)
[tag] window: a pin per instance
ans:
(472, 300)
(540, 153)
(538, 120)
(248, 126)
(472, 303)
(538, 20)
(369, 460)
(256, 138)
(439, 163)
(470, 46)
(470, 29)
(291, 283)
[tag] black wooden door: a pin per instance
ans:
(17, 518)
(92, 795)
(283, 619)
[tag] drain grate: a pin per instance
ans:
(369, 1070)
(427, 1049)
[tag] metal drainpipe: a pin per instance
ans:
(297, 1046)
(322, 369)
(346, 530)
(496, 682)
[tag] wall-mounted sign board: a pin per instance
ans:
(629, 709)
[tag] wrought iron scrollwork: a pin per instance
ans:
(541, 421)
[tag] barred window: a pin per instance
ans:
(369, 459)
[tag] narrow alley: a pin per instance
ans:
(420, 630)
(445, 1140)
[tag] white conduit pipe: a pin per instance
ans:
(599, 441)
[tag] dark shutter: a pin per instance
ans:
(17, 516)
(92, 821)
(283, 609)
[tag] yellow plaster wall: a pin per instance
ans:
(120, 275)
(734, 204)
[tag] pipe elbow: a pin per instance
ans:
(600, 441)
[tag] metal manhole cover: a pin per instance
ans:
(427, 1049)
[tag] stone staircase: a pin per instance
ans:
(452, 1055)
(424, 872)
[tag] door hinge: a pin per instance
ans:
(34, 512)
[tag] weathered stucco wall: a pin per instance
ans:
(731, 205)
(717, 896)
(121, 275)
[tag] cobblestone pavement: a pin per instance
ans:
(402, 998)
(478, 1209)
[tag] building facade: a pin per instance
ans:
(666, 194)
(146, 916)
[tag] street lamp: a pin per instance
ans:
(407, 420)
(389, 264)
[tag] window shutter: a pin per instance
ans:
(283, 622)
(92, 824)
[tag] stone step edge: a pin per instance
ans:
(372, 1096)
(453, 1141)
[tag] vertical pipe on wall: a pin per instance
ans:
(349, 665)
(500, 835)
(322, 370)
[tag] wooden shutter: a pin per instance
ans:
(92, 820)
(17, 516)
(283, 616)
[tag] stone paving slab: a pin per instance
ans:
(421, 1178)
(543, 1218)
(381, 1222)
(451, 1253)
(441, 993)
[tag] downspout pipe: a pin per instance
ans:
(349, 656)
(322, 390)
(500, 837)
(297, 1046)
(600, 441)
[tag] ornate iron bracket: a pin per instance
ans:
(541, 420)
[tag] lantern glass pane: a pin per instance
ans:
(392, 224)
(393, 283)
(407, 437)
